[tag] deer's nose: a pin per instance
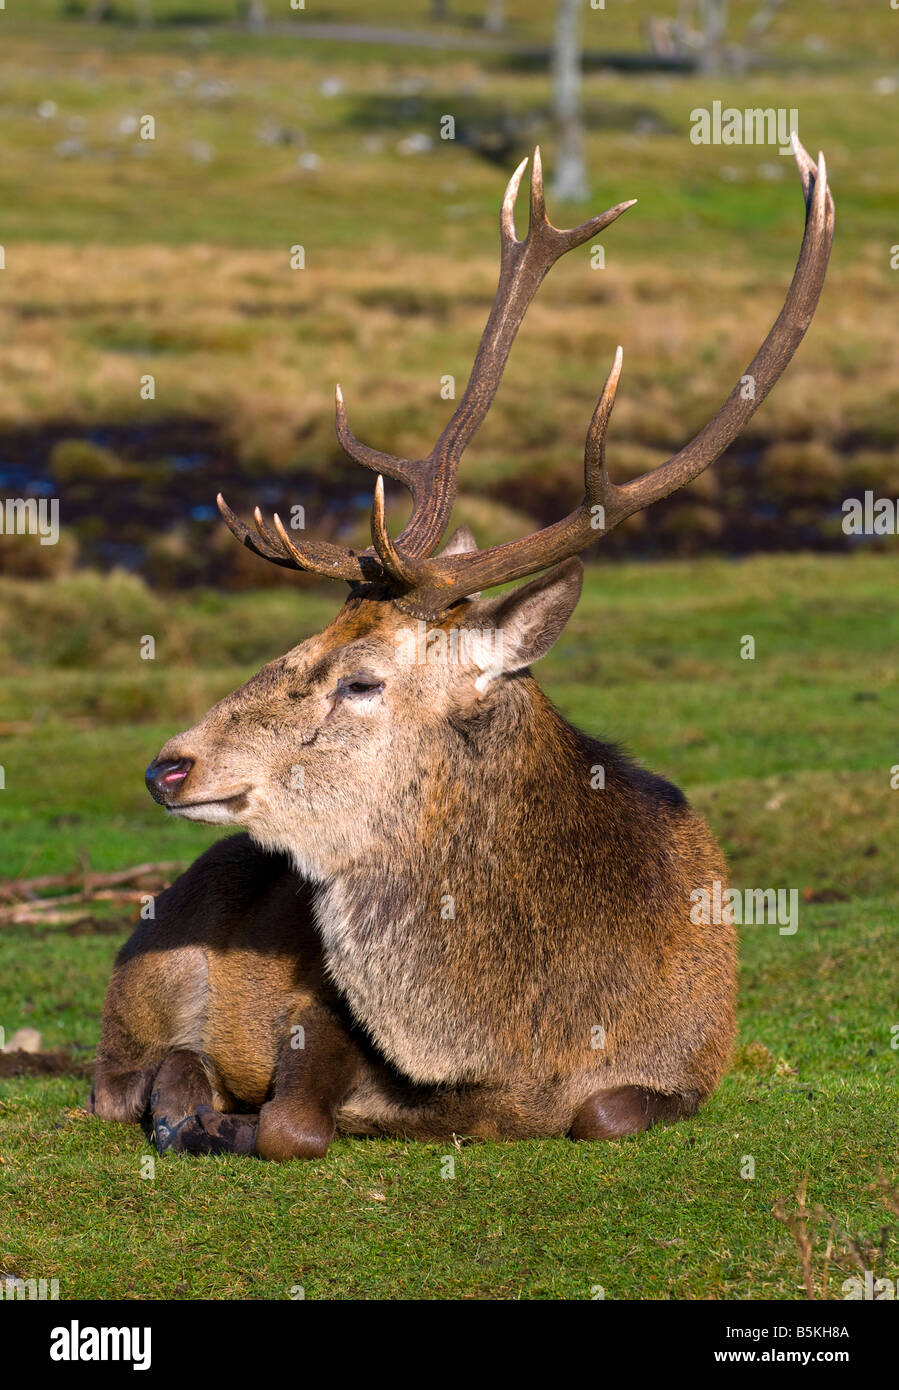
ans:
(163, 778)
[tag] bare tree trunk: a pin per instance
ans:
(713, 26)
(571, 174)
(97, 10)
(763, 17)
(257, 16)
(495, 16)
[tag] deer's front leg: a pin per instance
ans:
(183, 1117)
(318, 1065)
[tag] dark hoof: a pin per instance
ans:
(177, 1138)
(207, 1132)
(228, 1134)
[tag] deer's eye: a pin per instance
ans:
(359, 684)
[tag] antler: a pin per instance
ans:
(427, 587)
(432, 480)
(523, 265)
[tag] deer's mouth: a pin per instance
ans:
(166, 778)
(215, 810)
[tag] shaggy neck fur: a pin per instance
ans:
(463, 891)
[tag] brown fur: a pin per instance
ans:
(446, 905)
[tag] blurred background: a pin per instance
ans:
(322, 127)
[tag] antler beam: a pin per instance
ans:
(432, 480)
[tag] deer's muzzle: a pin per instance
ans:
(164, 778)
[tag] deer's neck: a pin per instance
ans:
(479, 879)
(487, 806)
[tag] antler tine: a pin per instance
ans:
(318, 557)
(246, 537)
(269, 537)
(564, 239)
(445, 579)
(407, 471)
(507, 211)
(331, 561)
(805, 163)
(769, 362)
(537, 215)
(394, 564)
(597, 485)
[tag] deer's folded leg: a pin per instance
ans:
(212, 1132)
(621, 1110)
(318, 1065)
(120, 1093)
(182, 1115)
(181, 1087)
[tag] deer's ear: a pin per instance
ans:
(530, 619)
(460, 542)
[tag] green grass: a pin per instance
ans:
(666, 1215)
(211, 173)
(790, 766)
(76, 174)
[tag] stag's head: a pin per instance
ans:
(352, 736)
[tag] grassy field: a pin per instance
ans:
(171, 256)
(789, 756)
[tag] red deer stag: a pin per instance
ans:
(437, 922)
